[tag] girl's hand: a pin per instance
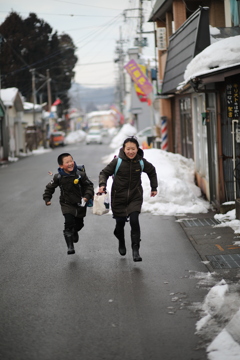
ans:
(48, 203)
(153, 193)
(101, 189)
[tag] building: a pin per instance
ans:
(13, 141)
(3, 130)
(106, 118)
(200, 107)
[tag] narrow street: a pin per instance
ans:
(94, 305)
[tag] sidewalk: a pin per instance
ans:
(215, 245)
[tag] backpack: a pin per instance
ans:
(79, 168)
(119, 161)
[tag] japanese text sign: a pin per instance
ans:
(138, 77)
(232, 92)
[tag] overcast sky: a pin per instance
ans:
(94, 26)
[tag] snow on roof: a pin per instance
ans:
(29, 106)
(219, 55)
(8, 96)
(100, 113)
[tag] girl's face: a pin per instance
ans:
(68, 164)
(130, 150)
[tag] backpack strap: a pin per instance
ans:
(141, 164)
(81, 168)
(119, 161)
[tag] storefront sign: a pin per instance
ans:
(232, 92)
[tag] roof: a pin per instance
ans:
(160, 8)
(219, 74)
(12, 97)
(220, 55)
(187, 42)
(28, 107)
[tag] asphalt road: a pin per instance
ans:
(94, 305)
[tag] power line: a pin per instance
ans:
(71, 15)
(97, 63)
(93, 33)
(99, 7)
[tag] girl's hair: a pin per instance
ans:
(61, 156)
(131, 139)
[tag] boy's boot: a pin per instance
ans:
(120, 236)
(75, 237)
(135, 237)
(68, 234)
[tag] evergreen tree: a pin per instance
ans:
(31, 44)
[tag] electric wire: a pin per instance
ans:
(92, 6)
(47, 58)
(55, 14)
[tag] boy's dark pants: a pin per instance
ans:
(72, 225)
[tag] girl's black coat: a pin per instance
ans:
(127, 191)
(70, 193)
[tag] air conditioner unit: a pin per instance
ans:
(161, 38)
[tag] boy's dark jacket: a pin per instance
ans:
(70, 194)
(127, 191)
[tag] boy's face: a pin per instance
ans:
(68, 164)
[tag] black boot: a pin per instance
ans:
(69, 240)
(75, 237)
(135, 246)
(121, 247)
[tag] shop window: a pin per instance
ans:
(186, 127)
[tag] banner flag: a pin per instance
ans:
(57, 102)
(142, 97)
(138, 77)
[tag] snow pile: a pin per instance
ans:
(224, 347)
(220, 324)
(229, 219)
(126, 131)
(213, 303)
(177, 193)
(223, 53)
(75, 136)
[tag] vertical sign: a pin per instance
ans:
(232, 92)
(235, 101)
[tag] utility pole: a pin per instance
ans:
(49, 91)
(34, 103)
(33, 95)
(140, 25)
(120, 60)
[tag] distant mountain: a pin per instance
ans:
(90, 99)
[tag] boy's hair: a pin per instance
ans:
(61, 157)
(131, 139)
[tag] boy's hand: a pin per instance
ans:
(85, 199)
(48, 203)
(101, 189)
